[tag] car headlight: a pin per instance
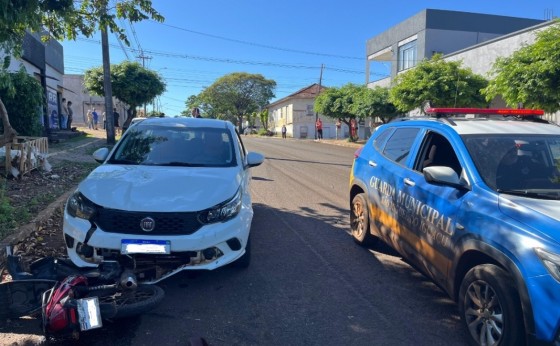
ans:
(79, 206)
(223, 211)
(551, 261)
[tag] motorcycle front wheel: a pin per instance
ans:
(130, 303)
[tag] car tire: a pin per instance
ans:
(359, 221)
(490, 307)
(244, 261)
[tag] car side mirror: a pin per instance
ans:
(443, 175)
(254, 159)
(100, 155)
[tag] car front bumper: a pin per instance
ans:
(212, 246)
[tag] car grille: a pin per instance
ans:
(128, 222)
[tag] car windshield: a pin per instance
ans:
(525, 165)
(175, 146)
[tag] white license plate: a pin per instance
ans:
(131, 246)
(89, 315)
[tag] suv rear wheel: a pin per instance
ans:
(359, 221)
(489, 306)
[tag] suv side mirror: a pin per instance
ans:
(443, 175)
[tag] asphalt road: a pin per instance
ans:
(308, 283)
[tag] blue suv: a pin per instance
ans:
(471, 197)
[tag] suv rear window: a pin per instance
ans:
(399, 145)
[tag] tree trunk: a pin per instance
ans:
(9, 132)
(130, 114)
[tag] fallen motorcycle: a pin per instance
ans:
(72, 299)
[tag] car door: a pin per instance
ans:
(427, 212)
(386, 171)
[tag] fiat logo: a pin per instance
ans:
(147, 224)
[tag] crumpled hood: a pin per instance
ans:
(541, 215)
(166, 189)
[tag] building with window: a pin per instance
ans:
(296, 112)
(430, 32)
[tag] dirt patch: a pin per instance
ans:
(37, 199)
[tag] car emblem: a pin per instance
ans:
(147, 224)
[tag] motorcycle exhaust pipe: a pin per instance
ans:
(128, 280)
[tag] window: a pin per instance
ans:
(437, 151)
(398, 146)
(407, 56)
(309, 109)
(382, 138)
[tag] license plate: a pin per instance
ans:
(131, 246)
(89, 315)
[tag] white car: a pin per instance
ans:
(172, 195)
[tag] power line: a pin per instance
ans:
(260, 45)
(235, 61)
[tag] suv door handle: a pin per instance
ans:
(372, 163)
(409, 182)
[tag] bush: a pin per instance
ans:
(24, 100)
(263, 132)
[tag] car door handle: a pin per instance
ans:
(409, 182)
(372, 163)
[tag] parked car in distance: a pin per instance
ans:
(471, 197)
(172, 195)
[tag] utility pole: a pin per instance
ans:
(144, 58)
(110, 122)
(318, 91)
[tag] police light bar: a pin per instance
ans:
(497, 111)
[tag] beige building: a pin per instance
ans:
(296, 112)
(82, 100)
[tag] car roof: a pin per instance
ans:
(188, 121)
(486, 126)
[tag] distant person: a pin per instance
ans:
(284, 131)
(63, 114)
(338, 126)
(319, 127)
(89, 119)
(70, 115)
(116, 116)
(196, 113)
(104, 117)
(95, 118)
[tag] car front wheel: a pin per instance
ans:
(359, 221)
(489, 307)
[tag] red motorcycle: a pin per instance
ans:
(71, 299)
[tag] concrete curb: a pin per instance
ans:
(25, 230)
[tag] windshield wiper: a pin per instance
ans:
(178, 164)
(526, 193)
(122, 162)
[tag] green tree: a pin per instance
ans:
(236, 95)
(443, 83)
(530, 75)
(24, 112)
(373, 103)
(338, 103)
(131, 83)
(62, 20)
(263, 116)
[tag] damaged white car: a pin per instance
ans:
(172, 195)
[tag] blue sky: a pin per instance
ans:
(287, 40)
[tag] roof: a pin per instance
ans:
(308, 92)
